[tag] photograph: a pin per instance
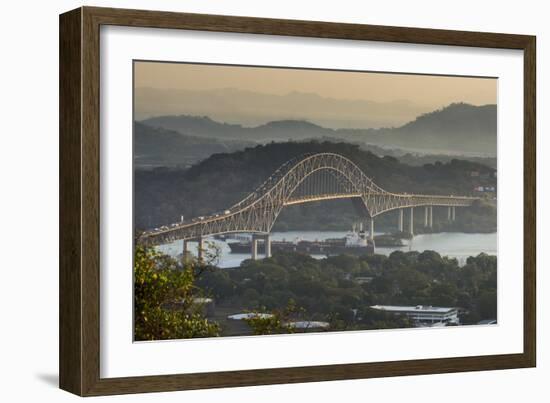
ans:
(271, 200)
(243, 202)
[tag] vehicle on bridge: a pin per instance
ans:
(305, 179)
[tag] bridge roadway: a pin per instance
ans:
(308, 178)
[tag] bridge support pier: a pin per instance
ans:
(288, 186)
(371, 230)
(426, 215)
(185, 251)
(267, 241)
(411, 223)
(431, 219)
(200, 250)
(254, 248)
(449, 213)
(400, 220)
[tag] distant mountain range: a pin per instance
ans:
(154, 146)
(207, 128)
(251, 108)
(457, 129)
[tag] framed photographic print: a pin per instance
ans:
(251, 201)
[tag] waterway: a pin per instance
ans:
(452, 244)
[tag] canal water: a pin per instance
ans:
(452, 244)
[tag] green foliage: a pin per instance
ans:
(376, 319)
(487, 304)
(277, 322)
(329, 289)
(156, 147)
(165, 298)
(163, 195)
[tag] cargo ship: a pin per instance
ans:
(356, 242)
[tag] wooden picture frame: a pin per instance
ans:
(79, 346)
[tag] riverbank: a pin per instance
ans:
(456, 245)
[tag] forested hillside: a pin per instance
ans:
(457, 128)
(154, 147)
(162, 195)
(328, 290)
(469, 128)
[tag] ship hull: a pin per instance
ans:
(310, 248)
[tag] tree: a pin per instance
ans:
(166, 299)
(487, 305)
(277, 322)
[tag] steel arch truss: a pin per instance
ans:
(309, 178)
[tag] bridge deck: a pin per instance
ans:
(257, 212)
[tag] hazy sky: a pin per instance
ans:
(404, 96)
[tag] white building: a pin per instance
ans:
(423, 315)
(309, 324)
(249, 315)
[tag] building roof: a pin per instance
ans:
(413, 309)
(249, 315)
(487, 322)
(308, 324)
(202, 300)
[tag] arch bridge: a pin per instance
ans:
(305, 179)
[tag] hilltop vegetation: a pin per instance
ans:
(341, 289)
(169, 297)
(457, 127)
(154, 147)
(162, 195)
(165, 298)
